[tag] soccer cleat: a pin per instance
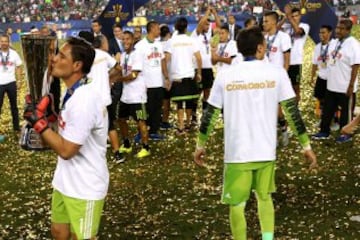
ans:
(143, 153)
(156, 137)
(124, 149)
(344, 138)
(137, 138)
(320, 135)
(119, 157)
(165, 125)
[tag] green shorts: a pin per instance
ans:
(241, 178)
(82, 215)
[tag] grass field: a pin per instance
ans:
(166, 196)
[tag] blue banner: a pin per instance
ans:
(315, 13)
(118, 11)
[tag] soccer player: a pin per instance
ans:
(342, 75)
(226, 51)
(249, 93)
(133, 97)
(154, 68)
(81, 177)
(202, 34)
(278, 42)
(182, 49)
(99, 74)
(278, 53)
(10, 73)
(165, 35)
(319, 64)
(298, 32)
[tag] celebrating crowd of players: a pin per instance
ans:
(135, 78)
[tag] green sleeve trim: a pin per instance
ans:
(208, 120)
(304, 140)
(292, 115)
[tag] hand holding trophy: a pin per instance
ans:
(38, 52)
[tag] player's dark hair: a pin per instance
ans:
(248, 21)
(129, 33)
(347, 23)
(82, 51)
(225, 27)
(295, 10)
(272, 14)
(248, 41)
(164, 30)
(327, 27)
(150, 25)
(181, 25)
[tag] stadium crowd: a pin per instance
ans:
(49, 10)
(191, 8)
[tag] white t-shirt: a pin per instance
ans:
(249, 93)
(339, 72)
(203, 41)
(277, 44)
(226, 50)
(298, 42)
(321, 58)
(99, 74)
(151, 54)
(135, 90)
(84, 121)
(182, 49)
(8, 62)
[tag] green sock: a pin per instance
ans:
(267, 217)
(238, 221)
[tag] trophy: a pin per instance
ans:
(38, 52)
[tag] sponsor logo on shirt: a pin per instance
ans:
(273, 49)
(154, 55)
(182, 44)
(250, 86)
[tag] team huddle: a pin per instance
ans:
(250, 77)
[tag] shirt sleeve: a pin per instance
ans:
(306, 28)
(355, 53)
(161, 51)
(216, 97)
(137, 61)
(233, 49)
(167, 46)
(285, 89)
(110, 61)
(18, 61)
(315, 55)
(285, 42)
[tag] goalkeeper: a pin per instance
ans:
(249, 93)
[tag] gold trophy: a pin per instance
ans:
(37, 52)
